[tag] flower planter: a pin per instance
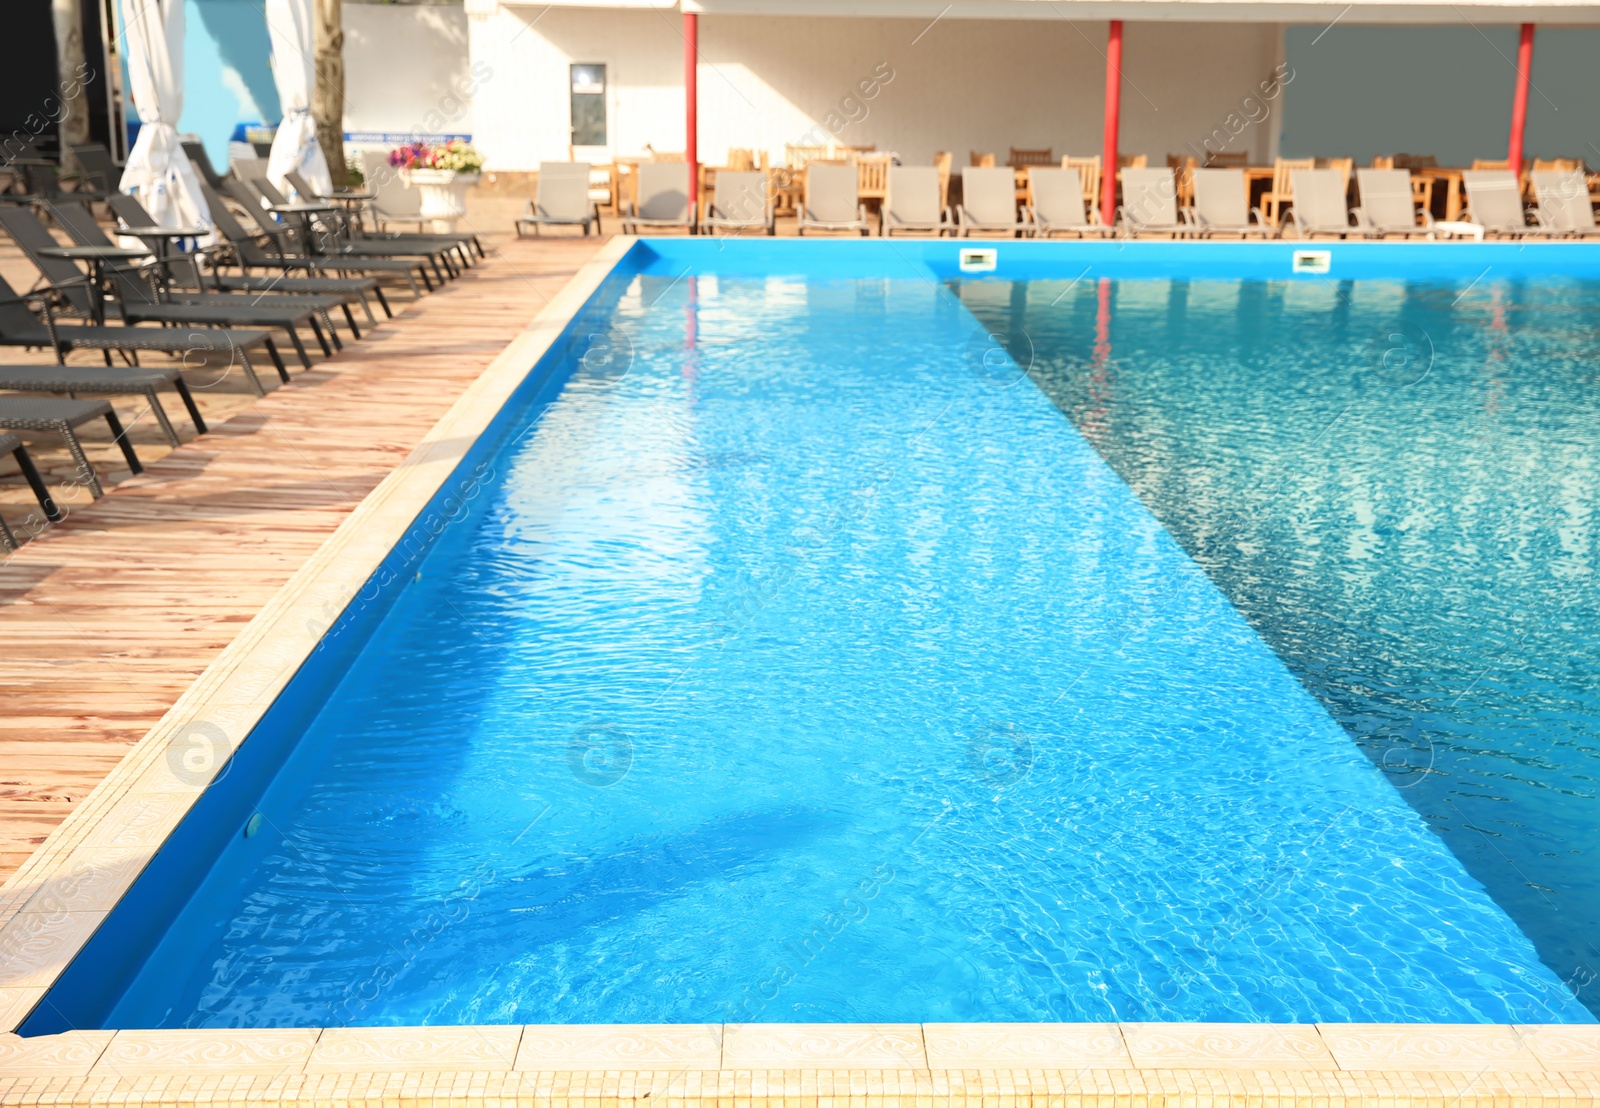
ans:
(443, 193)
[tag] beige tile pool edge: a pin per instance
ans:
(53, 903)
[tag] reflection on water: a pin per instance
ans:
(1396, 485)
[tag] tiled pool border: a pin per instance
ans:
(53, 903)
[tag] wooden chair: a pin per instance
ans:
(944, 161)
(1558, 165)
(1019, 158)
(1415, 161)
(664, 155)
(1230, 160)
(980, 161)
(872, 176)
(1089, 173)
(852, 151)
(1183, 167)
(1281, 194)
(1133, 161)
(798, 157)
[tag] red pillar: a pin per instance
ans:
(1108, 183)
(691, 100)
(1519, 104)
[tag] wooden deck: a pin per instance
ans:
(107, 617)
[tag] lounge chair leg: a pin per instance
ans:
(85, 470)
(7, 539)
(383, 301)
(249, 373)
(122, 440)
(299, 347)
(366, 306)
(422, 268)
(188, 402)
(30, 473)
(322, 339)
(277, 360)
(161, 418)
(350, 318)
(106, 354)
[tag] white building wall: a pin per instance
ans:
(406, 71)
(963, 85)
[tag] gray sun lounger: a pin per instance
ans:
(110, 380)
(466, 241)
(562, 199)
(662, 199)
(1564, 204)
(1319, 207)
(741, 202)
(989, 202)
(99, 168)
(911, 203)
(138, 304)
(12, 445)
(1222, 206)
(833, 200)
(1387, 206)
(1494, 202)
(348, 289)
(19, 326)
(1150, 204)
(63, 417)
(1058, 207)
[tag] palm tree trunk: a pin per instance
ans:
(327, 100)
(74, 121)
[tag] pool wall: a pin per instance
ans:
(75, 917)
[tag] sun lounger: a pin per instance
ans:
(137, 304)
(1150, 203)
(196, 153)
(466, 241)
(1494, 202)
(662, 201)
(989, 202)
(111, 380)
(1387, 204)
(12, 445)
(99, 170)
(1222, 206)
(325, 254)
(1319, 207)
(63, 417)
(911, 202)
(832, 200)
(251, 252)
(1058, 207)
(19, 326)
(1564, 204)
(562, 199)
(348, 289)
(741, 202)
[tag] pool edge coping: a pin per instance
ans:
(52, 904)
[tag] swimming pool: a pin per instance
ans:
(789, 655)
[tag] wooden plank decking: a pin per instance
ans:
(108, 617)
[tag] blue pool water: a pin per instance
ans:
(800, 660)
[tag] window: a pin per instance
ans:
(588, 105)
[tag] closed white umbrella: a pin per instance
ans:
(158, 172)
(295, 146)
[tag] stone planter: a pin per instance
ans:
(443, 194)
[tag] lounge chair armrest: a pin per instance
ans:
(1260, 217)
(1427, 219)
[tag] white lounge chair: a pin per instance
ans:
(989, 202)
(1222, 206)
(1319, 207)
(832, 200)
(663, 199)
(562, 199)
(741, 202)
(1564, 204)
(1150, 204)
(911, 202)
(1387, 205)
(1058, 207)
(1494, 202)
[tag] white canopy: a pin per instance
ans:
(295, 146)
(158, 172)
